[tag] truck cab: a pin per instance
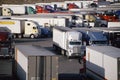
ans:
(74, 43)
(93, 37)
(32, 29)
(6, 11)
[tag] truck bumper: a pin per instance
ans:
(76, 55)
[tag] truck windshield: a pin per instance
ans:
(75, 43)
(99, 42)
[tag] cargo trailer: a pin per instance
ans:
(103, 62)
(35, 63)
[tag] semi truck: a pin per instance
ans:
(92, 36)
(67, 41)
(19, 9)
(21, 28)
(103, 62)
(5, 11)
(112, 34)
(6, 41)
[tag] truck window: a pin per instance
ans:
(99, 42)
(34, 28)
(75, 43)
(28, 24)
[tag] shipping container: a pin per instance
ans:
(35, 63)
(103, 62)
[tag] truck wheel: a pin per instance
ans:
(67, 55)
(32, 36)
(54, 47)
(63, 52)
(14, 36)
(19, 36)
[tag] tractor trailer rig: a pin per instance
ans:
(67, 41)
(21, 28)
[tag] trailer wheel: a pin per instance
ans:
(32, 36)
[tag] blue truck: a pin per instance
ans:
(92, 36)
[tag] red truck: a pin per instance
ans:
(6, 41)
(110, 17)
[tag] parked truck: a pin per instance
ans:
(49, 21)
(103, 62)
(5, 11)
(6, 41)
(112, 34)
(19, 9)
(68, 41)
(92, 36)
(21, 28)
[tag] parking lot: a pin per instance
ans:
(68, 68)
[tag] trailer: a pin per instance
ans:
(6, 42)
(35, 63)
(103, 62)
(21, 28)
(68, 41)
(49, 21)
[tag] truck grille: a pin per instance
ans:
(76, 50)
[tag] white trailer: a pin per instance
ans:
(103, 62)
(67, 41)
(113, 24)
(35, 63)
(49, 21)
(21, 28)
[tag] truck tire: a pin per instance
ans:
(32, 36)
(62, 52)
(67, 55)
(19, 36)
(54, 47)
(14, 36)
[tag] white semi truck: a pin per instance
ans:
(67, 41)
(19, 9)
(103, 62)
(21, 28)
(5, 11)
